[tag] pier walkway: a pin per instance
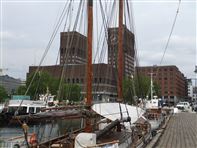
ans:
(181, 132)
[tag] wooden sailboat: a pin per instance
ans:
(114, 133)
(118, 131)
(154, 112)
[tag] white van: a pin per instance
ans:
(183, 105)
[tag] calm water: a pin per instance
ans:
(43, 131)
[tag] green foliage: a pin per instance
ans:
(21, 90)
(3, 94)
(142, 85)
(128, 91)
(138, 86)
(156, 89)
(71, 92)
(41, 82)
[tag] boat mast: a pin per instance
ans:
(120, 52)
(151, 85)
(88, 127)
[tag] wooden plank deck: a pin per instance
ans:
(181, 132)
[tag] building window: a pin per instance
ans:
(108, 81)
(95, 80)
(73, 80)
(77, 80)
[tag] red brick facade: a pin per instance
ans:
(73, 56)
(170, 79)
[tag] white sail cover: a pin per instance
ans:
(111, 111)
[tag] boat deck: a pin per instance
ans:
(114, 136)
(181, 132)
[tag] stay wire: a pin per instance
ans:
(70, 42)
(45, 53)
(168, 41)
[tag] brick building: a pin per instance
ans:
(73, 47)
(128, 48)
(170, 79)
(189, 88)
(73, 57)
(104, 82)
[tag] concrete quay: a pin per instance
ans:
(180, 132)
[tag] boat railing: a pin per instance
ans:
(111, 143)
(14, 141)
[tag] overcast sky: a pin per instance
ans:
(27, 25)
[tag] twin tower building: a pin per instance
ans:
(73, 58)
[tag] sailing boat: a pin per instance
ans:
(113, 133)
(107, 124)
(153, 111)
(118, 124)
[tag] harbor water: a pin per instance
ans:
(44, 131)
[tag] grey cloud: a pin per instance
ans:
(29, 25)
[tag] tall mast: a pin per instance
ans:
(151, 86)
(120, 52)
(88, 127)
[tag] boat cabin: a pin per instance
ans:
(25, 106)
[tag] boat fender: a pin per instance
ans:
(33, 140)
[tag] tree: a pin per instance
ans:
(138, 86)
(21, 90)
(142, 85)
(128, 91)
(3, 94)
(156, 89)
(71, 92)
(41, 82)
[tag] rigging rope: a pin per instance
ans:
(44, 54)
(174, 22)
(69, 45)
(168, 41)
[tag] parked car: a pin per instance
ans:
(183, 105)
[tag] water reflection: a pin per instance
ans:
(44, 131)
